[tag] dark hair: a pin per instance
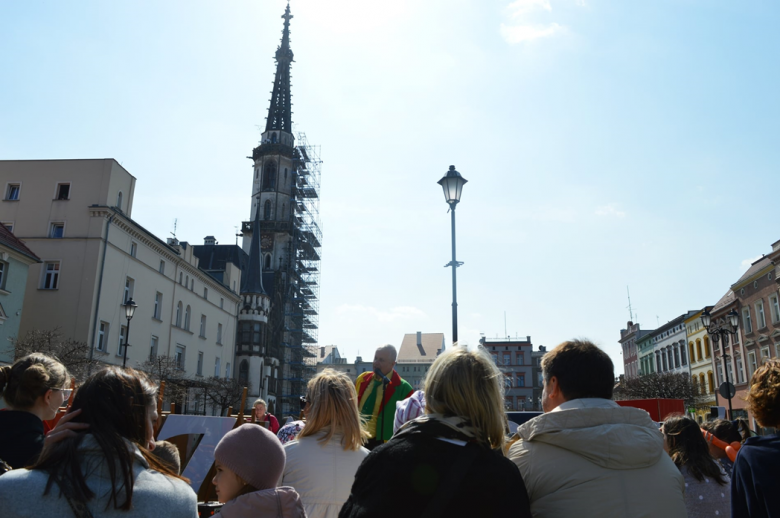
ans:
(687, 447)
(29, 378)
(114, 402)
(723, 430)
(582, 370)
(764, 393)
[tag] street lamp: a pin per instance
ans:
(452, 183)
(129, 306)
(720, 332)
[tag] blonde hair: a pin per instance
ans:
(30, 377)
(259, 401)
(468, 384)
(333, 401)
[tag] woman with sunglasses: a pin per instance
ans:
(34, 387)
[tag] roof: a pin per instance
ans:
(8, 239)
(756, 267)
(432, 344)
(676, 321)
(724, 301)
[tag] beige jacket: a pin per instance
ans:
(591, 457)
(321, 473)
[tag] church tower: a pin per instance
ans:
(285, 207)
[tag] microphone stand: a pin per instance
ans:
(382, 408)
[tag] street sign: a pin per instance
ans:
(727, 390)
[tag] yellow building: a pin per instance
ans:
(700, 354)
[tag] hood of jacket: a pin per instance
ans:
(282, 502)
(601, 431)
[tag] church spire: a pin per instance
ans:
(280, 111)
(252, 283)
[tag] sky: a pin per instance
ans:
(607, 144)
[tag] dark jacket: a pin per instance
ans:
(401, 477)
(754, 481)
(21, 437)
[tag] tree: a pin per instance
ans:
(71, 353)
(166, 368)
(224, 393)
(663, 386)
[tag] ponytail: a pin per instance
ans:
(22, 383)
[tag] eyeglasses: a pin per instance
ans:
(65, 392)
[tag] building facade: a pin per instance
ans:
(627, 342)
(513, 357)
(669, 346)
(76, 215)
(416, 354)
(537, 375)
(15, 261)
(645, 350)
(700, 357)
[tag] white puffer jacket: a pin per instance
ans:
(592, 457)
(322, 474)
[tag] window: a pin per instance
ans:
(731, 371)
(102, 337)
(12, 192)
(57, 230)
(192, 285)
(690, 351)
(520, 358)
(269, 176)
(186, 281)
(682, 354)
(119, 200)
(219, 334)
(162, 267)
(243, 372)
(227, 370)
(711, 381)
(205, 293)
(773, 301)
(199, 372)
(760, 314)
(153, 348)
(740, 370)
(8, 225)
(508, 381)
(698, 348)
(720, 374)
(203, 326)
(187, 318)
(51, 275)
(495, 358)
(179, 308)
(216, 367)
(267, 210)
(122, 341)
(63, 191)
(764, 354)
(707, 344)
(267, 262)
(180, 277)
(752, 365)
(179, 356)
(221, 303)
(507, 358)
(746, 322)
(133, 249)
(521, 380)
(129, 288)
(157, 305)
(3, 274)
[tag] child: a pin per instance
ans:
(250, 461)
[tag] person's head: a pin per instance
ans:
(468, 384)
(685, 444)
(723, 430)
(576, 369)
(248, 458)
(168, 454)
(764, 394)
(332, 405)
(260, 407)
(35, 383)
(120, 406)
(384, 359)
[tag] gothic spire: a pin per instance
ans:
(252, 283)
(280, 111)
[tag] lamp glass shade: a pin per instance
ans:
(733, 318)
(129, 306)
(452, 185)
(706, 318)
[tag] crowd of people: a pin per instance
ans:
(378, 448)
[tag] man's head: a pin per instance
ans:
(573, 370)
(384, 359)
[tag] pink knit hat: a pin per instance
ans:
(254, 454)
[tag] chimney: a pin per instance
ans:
(322, 352)
(209, 240)
(419, 343)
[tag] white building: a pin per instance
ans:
(76, 215)
(669, 346)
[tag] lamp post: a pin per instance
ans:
(129, 306)
(452, 183)
(720, 332)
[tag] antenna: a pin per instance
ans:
(505, 324)
(175, 223)
(237, 234)
(630, 312)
